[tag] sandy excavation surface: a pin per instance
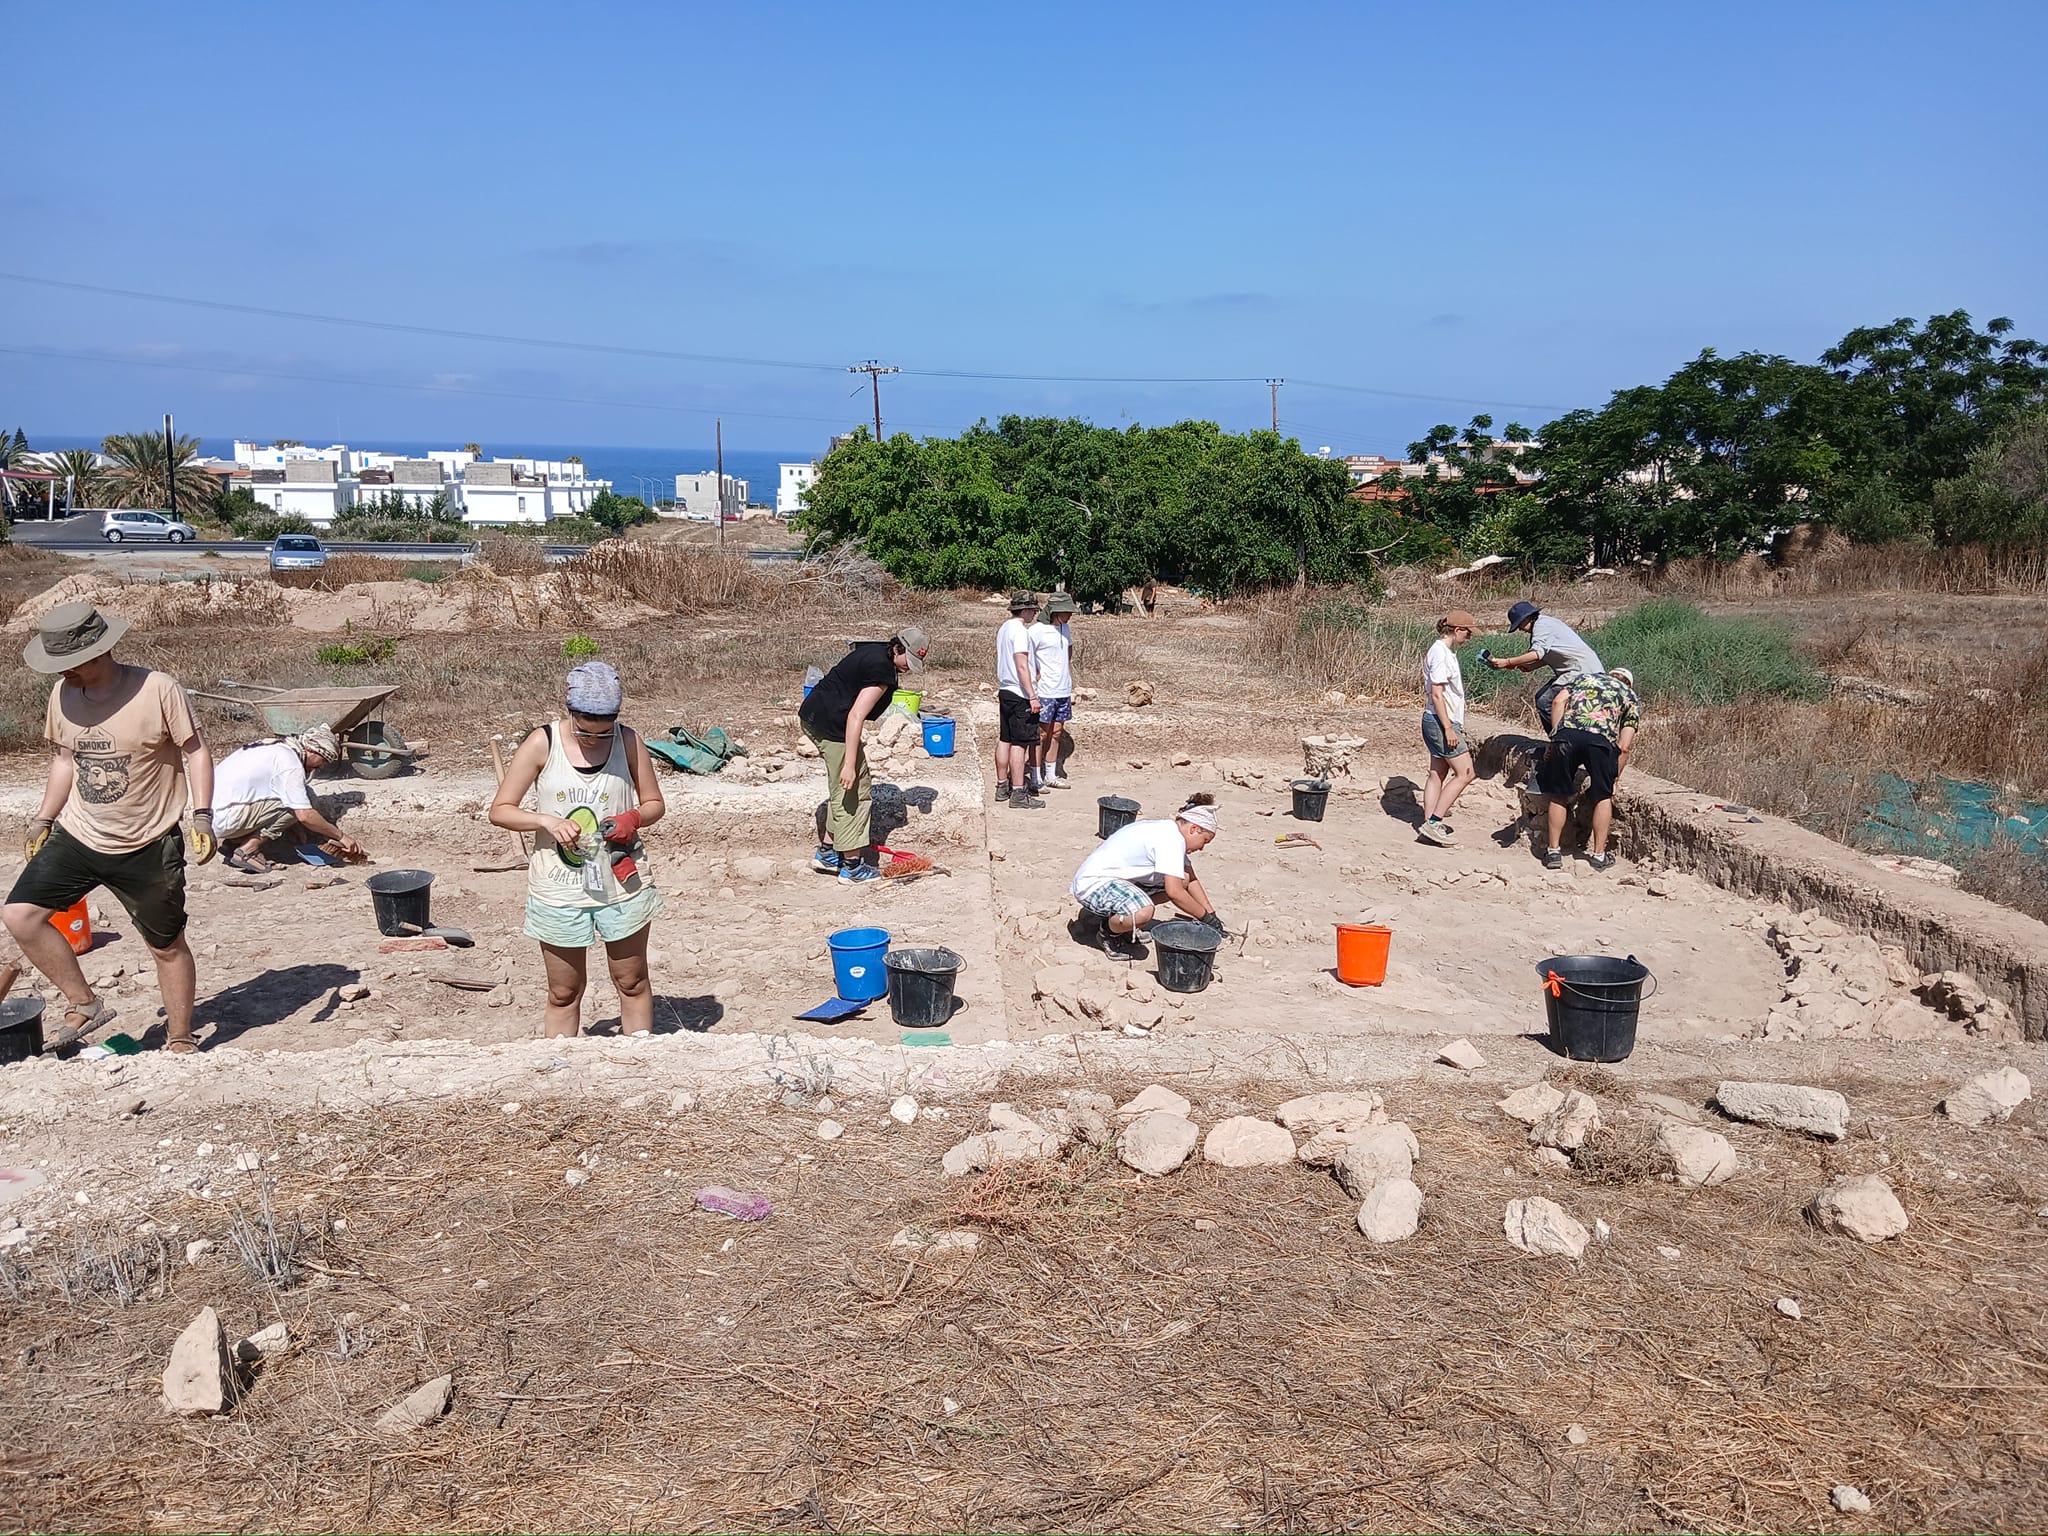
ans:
(1218, 1347)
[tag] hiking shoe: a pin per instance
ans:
(1600, 861)
(1003, 790)
(1554, 859)
(1434, 831)
(826, 861)
(1024, 800)
(856, 873)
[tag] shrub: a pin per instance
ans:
(578, 646)
(427, 573)
(1678, 652)
(341, 654)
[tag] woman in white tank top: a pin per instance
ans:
(594, 790)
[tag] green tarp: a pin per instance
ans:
(705, 752)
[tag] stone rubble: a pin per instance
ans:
(1848, 1499)
(1846, 986)
(928, 1246)
(1540, 1226)
(1532, 1103)
(1787, 1107)
(1698, 1155)
(200, 1376)
(1463, 1055)
(1575, 1434)
(1861, 1206)
(420, 1407)
(1988, 1098)
(1382, 1152)
(1566, 1127)
(1158, 1099)
(987, 1148)
(1958, 997)
(1157, 1142)
(903, 1110)
(1244, 1141)
(1788, 1307)
(1390, 1211)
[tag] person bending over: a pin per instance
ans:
(260, 795)
(1553, 644)
(1143, 872)
(840, 705)
(1593, 725)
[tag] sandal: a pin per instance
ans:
(86, 1014)
(184, 1045)
(250, 863)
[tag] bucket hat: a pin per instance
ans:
(1023, 600)
(1060, 602)
(1521, 614)
(70, 635)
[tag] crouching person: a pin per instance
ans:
(260, 795)
(1142, 872)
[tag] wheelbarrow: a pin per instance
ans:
(374, 749)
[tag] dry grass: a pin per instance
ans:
(1215, 1350)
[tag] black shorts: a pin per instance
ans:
(150, 882)
(1558, 769)
(1020, 723)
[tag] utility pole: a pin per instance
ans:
(171, 465)
(718, 426)
(874, 371)
(1273, 387)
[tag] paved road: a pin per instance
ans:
(77, 536)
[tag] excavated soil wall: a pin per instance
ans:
(1940, 928)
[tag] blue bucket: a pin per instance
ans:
(857, 963)
(938, 735)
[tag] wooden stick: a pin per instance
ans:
(8, 978)
(498, 761)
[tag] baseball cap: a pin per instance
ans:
(916, 645)
(1521, 614)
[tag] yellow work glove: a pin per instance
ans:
(204, 844)
(38, 834)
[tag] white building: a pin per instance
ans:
(797, 480)
(310, 487)
(697, 496)
(527, 490)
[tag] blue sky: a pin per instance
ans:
(1527, 206)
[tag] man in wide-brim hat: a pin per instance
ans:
(128, 754)
(1016, 704)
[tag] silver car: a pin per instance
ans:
(116, 526)
(297, 552)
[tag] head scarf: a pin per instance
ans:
(1203, 816)
(593, 689)
(317, 739)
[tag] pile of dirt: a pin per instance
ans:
(470, 600)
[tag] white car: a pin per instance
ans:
(116, 526)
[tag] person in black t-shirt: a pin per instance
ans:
(838, 708)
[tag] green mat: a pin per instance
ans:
(705, 752)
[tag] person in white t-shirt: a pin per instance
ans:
(1142, 872)
(1443, 726)
(1016, 704)
(260, 795)
(1052, 664)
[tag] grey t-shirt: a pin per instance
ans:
(1563, 650)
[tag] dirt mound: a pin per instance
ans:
(468, 601)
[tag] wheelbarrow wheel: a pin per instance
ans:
(376, 765)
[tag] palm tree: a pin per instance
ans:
(474, 450)
(14, 454)
(141, 473)
(88, 480)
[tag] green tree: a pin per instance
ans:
(618, 513)
(141, 472)
(474, 450)
(2002, 497)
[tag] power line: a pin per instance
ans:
(874, 371)
(663, 354)
(1273, 388)
(432, 389)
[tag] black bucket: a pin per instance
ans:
(1113, 813)
(1593, 1001)
(921, 985)
(1310, 797)
(21, 1029)
(402, 899)
(1187, 953)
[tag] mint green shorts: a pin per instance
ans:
(580, 927)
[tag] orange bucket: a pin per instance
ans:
(1362, 953)
(75, 923)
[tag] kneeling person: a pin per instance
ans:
(1142, 872)
(260, 795)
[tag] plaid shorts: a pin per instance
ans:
(1117, 898)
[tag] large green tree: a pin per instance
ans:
(88, 480)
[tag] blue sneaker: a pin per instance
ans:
(854, 874)
(826, 861)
